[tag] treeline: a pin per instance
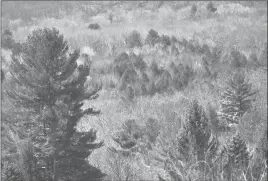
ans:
(141, 78)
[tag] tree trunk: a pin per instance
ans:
(55, 169)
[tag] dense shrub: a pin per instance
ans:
(211, 8)
(144, 77)
(184, 42)
(163, 82)
(165, 40)
(143, 90)
(138, 62)
(174, 51)
(128, 136)
(129, 77)
(154, 70)
(204, 49)
(130, 94)
(133, 40)
(152, 130)
(11, 173)
(188, 75)
(122, 84)
(172, 68)
(193, 10)
(16, 48)
(177, 82)
(7, 40)
(174, 40)
(237, 59)
(152, 38)
(216, 54)
(111, 17)
(121, 63)
(151, 88)
(191, 47)
(94, 26)
(253, 60)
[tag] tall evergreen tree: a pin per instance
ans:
(238, 157)
(198, 128)
(49, 83)
(236, 98)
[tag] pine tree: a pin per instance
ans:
(260, 157)
(50, 84)
(198, 128)
(238, 156)
(235, 99)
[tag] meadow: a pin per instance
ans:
(153, 59)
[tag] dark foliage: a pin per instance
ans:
(16, 48)
(155, 71)
(130, 94)
(238, 157)
(138, 62)
(199, 129)
(7, 40)
(165, 40)
(174, 39)
(237, 59)
(152, 130)
(111, 17)
(163, 82)
(151, 88)
(2, 76)
(94, 26)
(193, 10)
(211, 8)
(133, 39)
(121, 63)
(152, 38)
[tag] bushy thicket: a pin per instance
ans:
(7, 39)
(94, 26)
(133, 39)
(193, 10)
(149, 79)
(152, 38)
(211, 8)
(9, 43)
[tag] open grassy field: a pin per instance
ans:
(235, 25)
